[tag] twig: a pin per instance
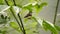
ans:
(6, 2)
(20, 20)
(56, 12)
(14, 15)
(21, 24)
(14, 2)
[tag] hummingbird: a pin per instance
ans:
(28, 15)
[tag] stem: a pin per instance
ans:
(14, 2)
(21, 24)
(56, 12)
(6, 2)
(20, 20)
(14, 15)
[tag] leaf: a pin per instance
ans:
(50, 27)
(15, 26)
(34, 19)
(25, 20)
(10, 2)
(38, 20)
(3, 31)
(57, 27)
(24, 12)
(0, 31)
(16, 9)
(46, 25)
(34, 24)
(4, 8)
(1, 2)
(19, 5)
(30, 24)
(39, 7)
(28, 6)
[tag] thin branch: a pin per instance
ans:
(14, 2)
(56, 12)
(14, 15)
(6, 2)
(21, 24)
(20, 20)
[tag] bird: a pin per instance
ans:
(28, 15)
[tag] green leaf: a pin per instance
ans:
(0, 31)
(19, 5)
(3, 32)
(39, 7)
(34, 24)
(25, 20)
(38, 20)
(30, 25)
(34, 19)
(48, 26)
(57, 27)
(28, 6)
(1, 2)
(16, 9)
(24, 12)
(10, 3)
(15, 26)
(4, 8)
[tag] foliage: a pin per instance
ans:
(15, 26)
(19, 23)
(1, 2)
